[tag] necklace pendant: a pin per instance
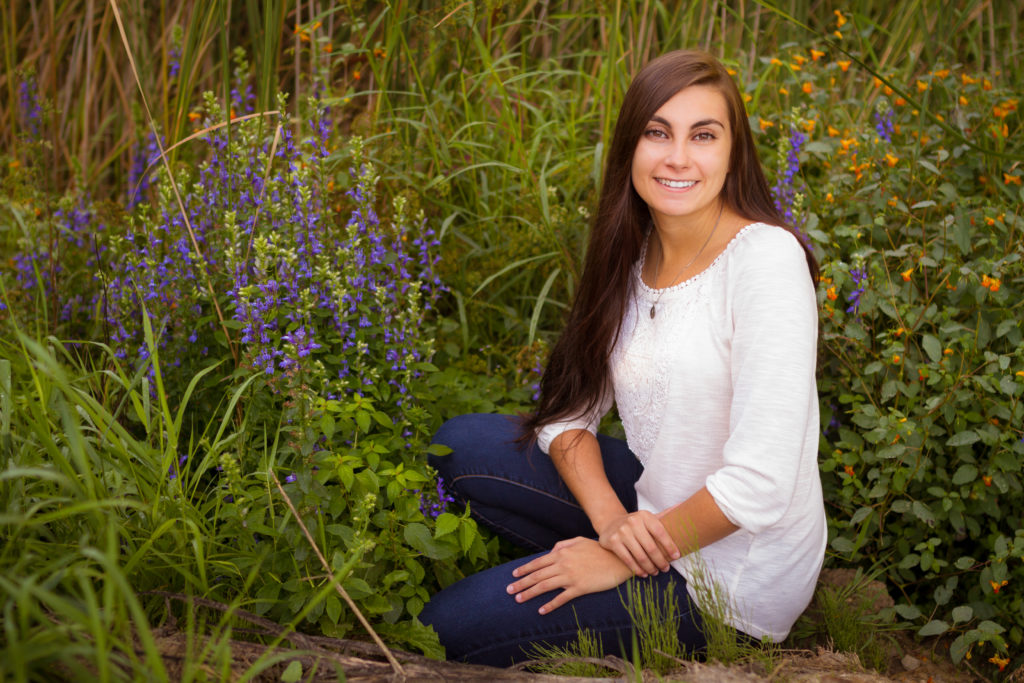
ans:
(652, 310)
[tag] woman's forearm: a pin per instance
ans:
(696, 522)
(577, 457)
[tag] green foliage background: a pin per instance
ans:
(490, 121)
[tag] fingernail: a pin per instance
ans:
(675, 555)
(519, 598)
(543, 610)
(510, 588)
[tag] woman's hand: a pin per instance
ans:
(578, 566)
(641, 541)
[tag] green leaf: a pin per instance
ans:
(965, 474)
(990, 628)
(327, 426)
(446, 523)
(419, 537)
(842, 544)
(964, 438)
(923, 513)
(959, 648)
(333, 607)
(933, 347)
(962, 613)
(964, 563)
(933, 628)
(293, 673)
(908, 611)
(363, 420)
(438, 449)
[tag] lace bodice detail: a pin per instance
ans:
(649, 348)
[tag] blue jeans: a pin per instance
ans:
(518, 493)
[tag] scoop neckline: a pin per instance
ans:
(694, 278)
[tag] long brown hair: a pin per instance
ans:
(577, 370)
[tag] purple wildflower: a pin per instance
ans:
(434, 505)
(859, 276)
(884, 125)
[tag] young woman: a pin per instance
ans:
(696, 315)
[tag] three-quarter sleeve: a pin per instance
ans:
(588, 420)
(774, 395)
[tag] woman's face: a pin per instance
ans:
(682, 158)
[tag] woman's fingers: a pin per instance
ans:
(641, 541)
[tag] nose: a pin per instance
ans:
(678, 155)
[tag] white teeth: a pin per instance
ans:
(677, 184)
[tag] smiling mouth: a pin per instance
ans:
(677, 184)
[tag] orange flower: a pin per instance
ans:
(999, 112)
(887, 90)
(747, 97)
(194, 116)
(967, 80)
(807, 87)
(896, 359)
(833, 132)
(831, 293)
(997, 586)
(765, 123)
(848, 142)
(906, 274)
(878, 82)
(849, 470)
(783, 91)
(829, 198)
(816, 54)
(894, 201)
(844, 64)
(963, 101)
(356, 75)
(899, 101)
(921, 86)
(941, 73)
(731, 71)
(840, 19)
(776, 61)
(991, 283)
(1001, 662)
(1020, 373)
(987, 480)
(328, 47)
(947, 352)
(809, 125)
(800, 59)
(989, 220)
(901, 330)
(986, 84)
(891, 159)
(1011, 179)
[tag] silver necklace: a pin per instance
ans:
(696, 256)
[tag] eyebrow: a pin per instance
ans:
(697, 124)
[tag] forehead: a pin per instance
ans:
(695, 103)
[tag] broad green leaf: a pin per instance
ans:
(964, 438)
(293, 672)
(933, 347)
(908, 611)
(933, 628)
(965, 474)
(962, 613)
(446, 524)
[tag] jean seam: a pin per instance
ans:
(512, 482)
(505, 531)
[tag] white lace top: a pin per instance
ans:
(718, 390)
